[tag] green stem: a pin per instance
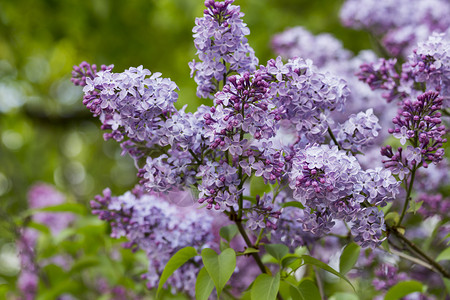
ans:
(195, 156)
(255, 255)
(250, 245)
(334, 138)
(258, 240)
(408, 196)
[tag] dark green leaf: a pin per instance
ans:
(392, 218)
(228, 232)
(266, 287)
(293, 204)
(176, 261)
(315, 262)
(203, 286)
(250, 250)
(402, 289)
(219, 267)
(294, 291)
(447, 284)
(348, 258)
(66, 286)
(278, 251)
(309, 290)
(289, 260)
(258, 187)
(84, 263)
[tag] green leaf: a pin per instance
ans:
(294, 291)
(447, 284)
(278, 251)
(84, 263)
(309, 290)
(203, 286)
(266, 287)
(41, 227)
(258, 187)
(402, 289)
(228, 232)
(315, 262)
(66, 286)
(386, 208)
(385, 245)
(289, 260)
(414, 206)
(348, 258)
(250, 250)
(392, 218)
(444, 255)
(446, 237)
(343, 296)
(223, 245)
(219, 267)
(65, 207)
(176, 261)
(293, 204)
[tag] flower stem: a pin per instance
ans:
(334, 138)
(250, 245)
(408, 196)
(258, 240)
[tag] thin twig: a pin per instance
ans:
(438, 268)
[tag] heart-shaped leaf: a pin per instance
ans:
(219, 267)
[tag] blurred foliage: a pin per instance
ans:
(45, 132)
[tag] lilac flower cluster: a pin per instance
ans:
(420, 123)
(430, 64)
(28, 279)
(263, 214)
(382, 76)
(332, 185)
(399, 24)
(329, 55)
(298, 42)
(39, 196)
(217, 149)
(222, 47)
(426, 69)
(358, 132)
(131, 104)
(387, 276)
(43, 195)
(151, 223)
(306, 95)
(433, 205)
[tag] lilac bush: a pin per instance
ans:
(299, 125)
